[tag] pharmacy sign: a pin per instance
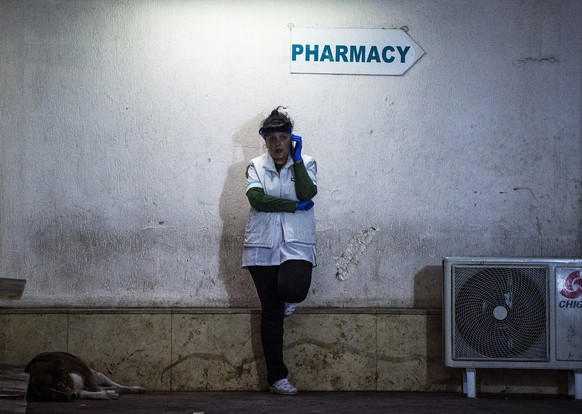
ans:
(353, 51)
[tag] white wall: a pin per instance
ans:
(126, 127)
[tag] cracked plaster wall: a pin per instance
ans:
(126, 126)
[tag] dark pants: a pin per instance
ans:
(276, 285)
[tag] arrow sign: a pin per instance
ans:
(353, 51)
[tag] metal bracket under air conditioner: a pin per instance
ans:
(470, 383)
(575, 384)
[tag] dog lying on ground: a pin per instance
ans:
(60, 376)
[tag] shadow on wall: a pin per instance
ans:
(428, 286)
(438, 376)
(234, 209)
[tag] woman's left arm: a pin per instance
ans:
(305, 187)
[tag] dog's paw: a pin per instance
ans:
(112, 394)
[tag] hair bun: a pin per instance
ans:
(276, 120)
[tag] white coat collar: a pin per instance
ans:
(270, 163)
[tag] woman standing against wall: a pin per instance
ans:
(279, 242)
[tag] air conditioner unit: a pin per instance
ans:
(513, 313)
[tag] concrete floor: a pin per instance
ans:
(313, 402)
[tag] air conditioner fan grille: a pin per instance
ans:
(500, 313)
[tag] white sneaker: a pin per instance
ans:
(283, 387)
(289, 309)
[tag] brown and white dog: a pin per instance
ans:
(60, 376)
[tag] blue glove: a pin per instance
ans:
(305, 205)
(296, 149)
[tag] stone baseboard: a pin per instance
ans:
(220, 349)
